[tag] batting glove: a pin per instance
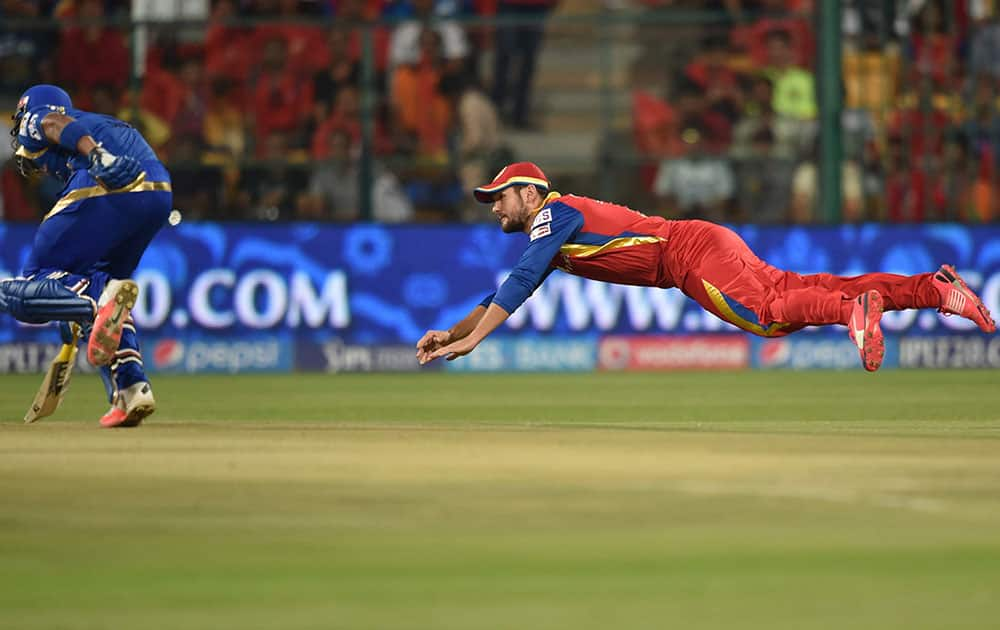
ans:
(113, 171)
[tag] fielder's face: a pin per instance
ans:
(511, 209)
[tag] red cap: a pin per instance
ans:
(516, 174)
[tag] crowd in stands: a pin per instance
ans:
(260, 107)
(731, 133)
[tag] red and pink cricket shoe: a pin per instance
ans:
(956, 299)
(113, 310)
(865, 331)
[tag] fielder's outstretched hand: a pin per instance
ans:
(431, 341)
(454, 350)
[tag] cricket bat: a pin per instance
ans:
(56, 381)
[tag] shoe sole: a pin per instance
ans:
(873, 346)
(137, 415)
(951, 277)
(107, 334)
(134, 417)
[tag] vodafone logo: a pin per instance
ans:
(168, 353)
(666, 352)
(775, 352)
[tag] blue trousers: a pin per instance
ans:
(96, 239)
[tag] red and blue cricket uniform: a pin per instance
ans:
(709, 263)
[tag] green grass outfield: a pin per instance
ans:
(690, 500)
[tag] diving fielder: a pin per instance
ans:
(116, 197)
(709, 263)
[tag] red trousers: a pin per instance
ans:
(711, 264)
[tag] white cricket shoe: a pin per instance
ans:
(131, 405)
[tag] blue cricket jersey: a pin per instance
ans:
(589, 238)
(116, 136)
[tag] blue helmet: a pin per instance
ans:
(43, 94)
(34, 96)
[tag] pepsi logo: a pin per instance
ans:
(775, 352)
(168, 353)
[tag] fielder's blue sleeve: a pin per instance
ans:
(551, 229)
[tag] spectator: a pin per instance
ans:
(91, 54)
(933, 45)
(984, 55)
(154, 129)
(871, 76)
(225, 124)
(104, 100)
(345, 116)
(922, 119)
(982, 123)
(777, 15)
(711, 72)
(334, 192)
(406, 44)
(190, 117)
(516, 56)
(658, 127)
(693, 112)
(302, 38)
(228, 48)
(859, 138)
(163, 89)
(421, 111)
(869, 19)
(970, 183)
(275, 184)
(794, 89)
(763, 180)
(339, 69)
(283, 101)
(759, 117)
(362, 14)
(654, 130)
(654, 125)
(914, 193)
(24, 53)
(476, 136)
(805, 190)
(699, 184)
(197, 185)
(663, 47)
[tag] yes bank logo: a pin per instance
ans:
(270, 354)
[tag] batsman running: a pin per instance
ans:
(709, 263)
(116, 197)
